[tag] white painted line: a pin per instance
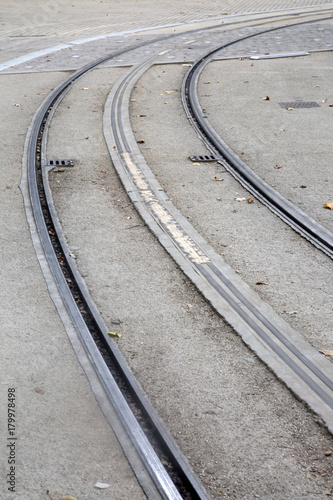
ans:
(277, 56)
(33, 55)
(164, 52)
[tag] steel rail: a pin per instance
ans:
(301, 222)
(148, 456)
(38, 188)
(122, 142)
(242, 308)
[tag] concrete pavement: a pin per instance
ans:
(65, 444)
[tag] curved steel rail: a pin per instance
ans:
(38, 188)
(305, 225)
(295, 362)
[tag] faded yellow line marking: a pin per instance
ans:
(178, 234)
(137, 174)
(163, 216)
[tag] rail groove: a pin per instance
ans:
(283, 349)
(177, 481)
(193, 254)
(301, 222)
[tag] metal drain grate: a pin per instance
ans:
(203, 158)
(61, 163)
(299, 104)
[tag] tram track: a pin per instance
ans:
(203, 266)
(305, 225)
(185, 245)
(110, 367)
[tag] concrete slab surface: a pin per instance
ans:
(244, 434)
(63, 442)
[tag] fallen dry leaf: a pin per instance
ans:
(290, 109)
(166, 102)
(262, 283)
(330, 105)
(218, 179)
(246, 81)
(266, 98)
(196, 164)
(85, 88)
(62, 498)
(68, 498)
(102, 486)
(328, 205)
(250, 200)
(206, 83)
(39, 390)
(278, 166)
(240, 199)
(168, 91)
(326, 352)
(115, 334)
(324, 100)
(328, 453)
(18, 105)
(141, 141)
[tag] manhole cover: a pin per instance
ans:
(299, 104)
